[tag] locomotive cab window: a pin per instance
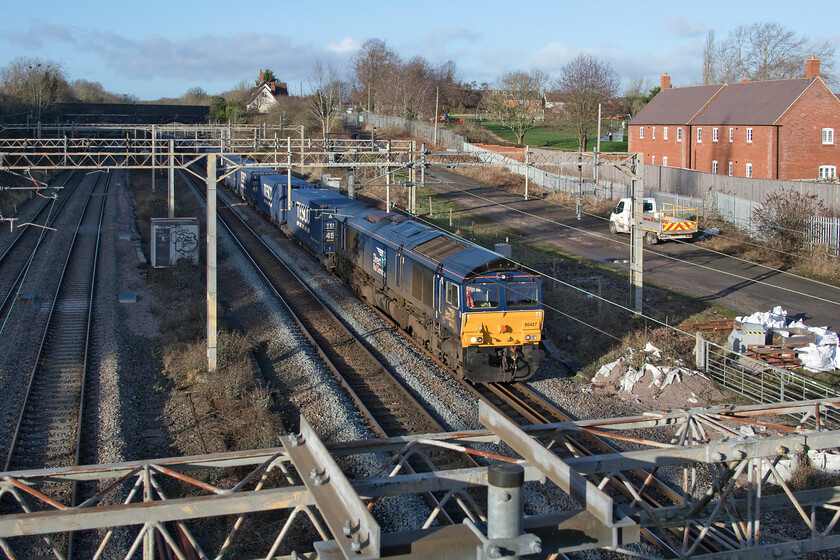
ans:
(521, 294)
(452, 294)
(482, 295)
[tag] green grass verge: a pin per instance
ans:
(553, 135)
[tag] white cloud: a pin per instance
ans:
(346, 45)
(682, 28)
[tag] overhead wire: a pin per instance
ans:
(596, 216)
(612, 239)
(601, 298)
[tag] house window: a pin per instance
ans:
(731, 168)
(749, 135)
(749, 170)
(653, 160)
(699, 134)
(731, 134)
(653, 132)
(714, 166)
(828, 136)
(679, 134)
(664, 132)
(664, 161)
(714, 135)
(641, 133)
(828, 172)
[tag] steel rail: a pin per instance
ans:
(52, 327)
(372, 387)
(17, 244)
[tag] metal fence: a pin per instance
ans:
(761, 382)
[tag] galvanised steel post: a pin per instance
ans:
(504, 501)
(171, 178)
(212, 293)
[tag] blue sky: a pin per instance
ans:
(155, 49)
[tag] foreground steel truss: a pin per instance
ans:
(252, 504)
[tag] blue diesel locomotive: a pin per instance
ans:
(472, 308)
(475, 310)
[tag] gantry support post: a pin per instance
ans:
(637, 234)
(212, 294)
(171, 178)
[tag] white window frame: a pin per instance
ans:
(731, 134)
(828, 172)
(679, 134)
(749, 171)
(664, 132)
(653, 133)
(714, 166)
(827, 136)
(653, 160)
(641, 133)
(700, 135)
(731, 169)
(749, 135)
(664, 161)
(714, 134)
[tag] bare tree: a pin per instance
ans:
(585, 82)
(88, 92)
(36, 84)
(370, 65)
(709, 59)
(326, 96)
(763, 51)
(517, 101)
(637, 95)
(196, 96)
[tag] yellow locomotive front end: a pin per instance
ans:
(501, 328)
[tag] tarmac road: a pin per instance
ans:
(742, 287)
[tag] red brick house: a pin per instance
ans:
(776, 129)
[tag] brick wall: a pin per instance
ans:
(760, 152)
(676, 152)
(800, 137)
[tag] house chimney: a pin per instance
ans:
(261, 76)
(665, 81)
(272, 84)
(744, 80)
(812, 67)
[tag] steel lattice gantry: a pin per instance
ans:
(730, 484)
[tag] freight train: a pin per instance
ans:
(474, 309)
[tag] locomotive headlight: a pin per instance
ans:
(473, 340)
(527, 337)
(480, 339)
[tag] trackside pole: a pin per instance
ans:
(637, 234)
(172, 178)
(212, 293)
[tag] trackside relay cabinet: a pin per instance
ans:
(174, 239)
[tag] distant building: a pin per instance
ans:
(776, 129)
(127, 113)
(265, 95)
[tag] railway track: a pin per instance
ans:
(47, 429)
(48, 432)
(390, 410)
(525, 407)
(21, 250)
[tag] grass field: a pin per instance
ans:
(552, 136)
